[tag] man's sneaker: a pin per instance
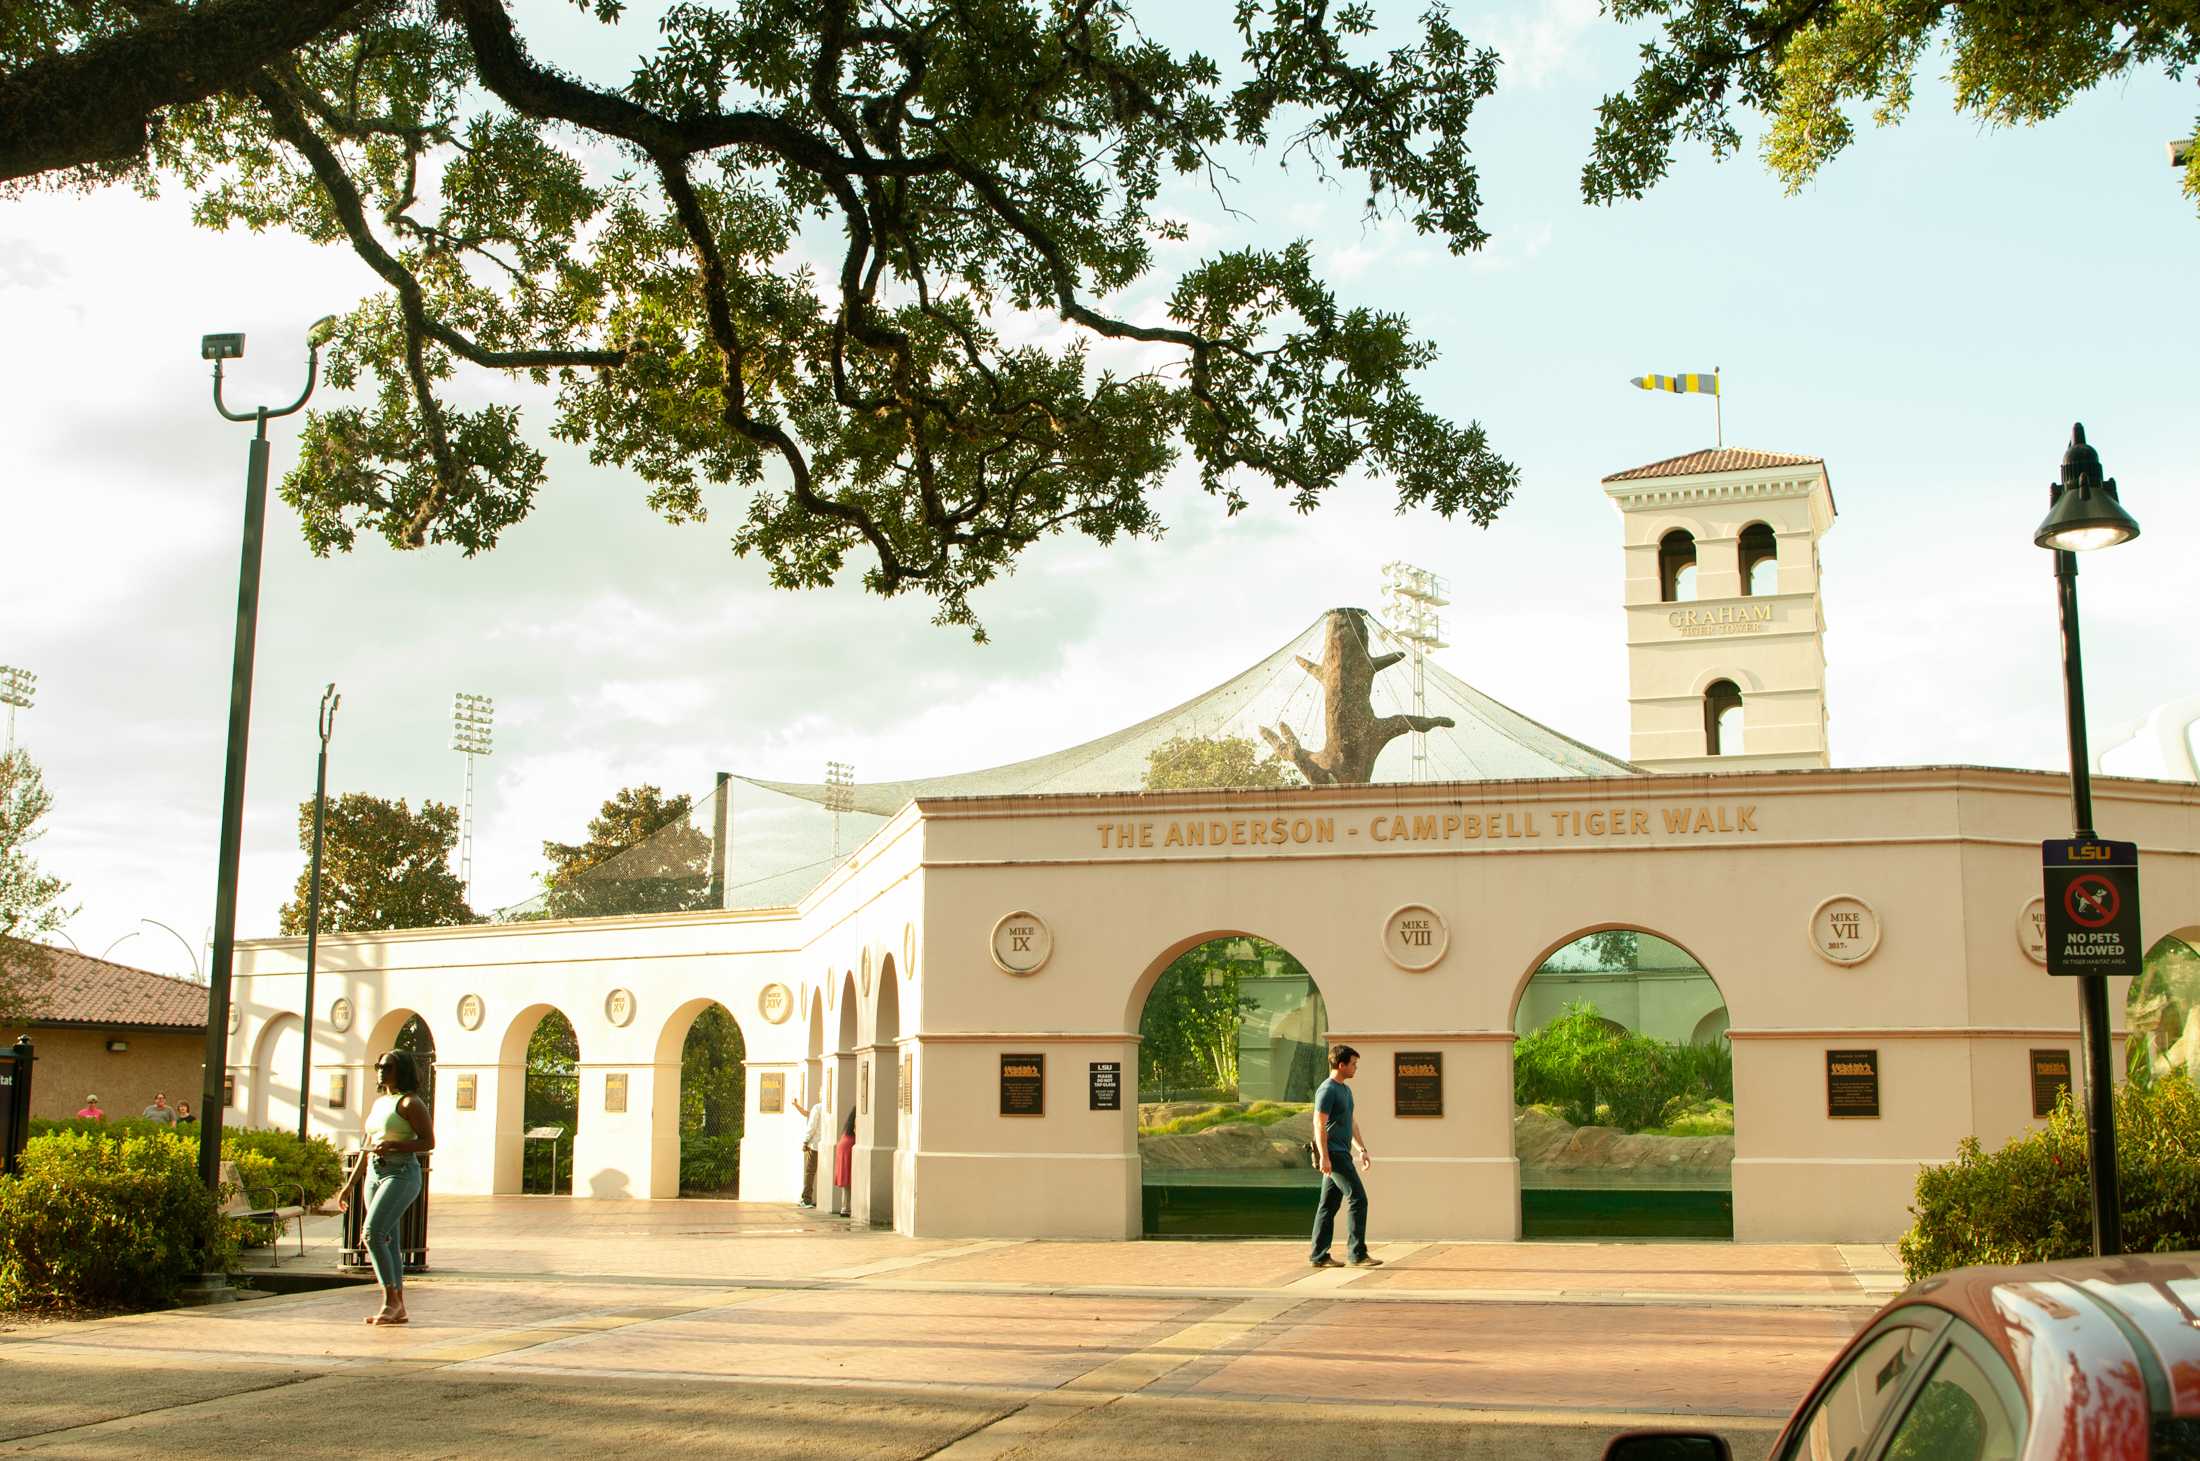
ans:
(1325, 1261)
(1369, 1262)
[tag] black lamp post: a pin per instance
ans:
(2083, 514)
(219, 348)
(329, 701)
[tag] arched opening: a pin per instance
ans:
(1759, 551)
(2162, 1012)
(701, 1118)
(546, 1053)
(1623, 1093)
(400, 1029)
(1677, 567)
(880, 1082)
(273, 1099)
(1230, 1054)
(813, 1066)
(1722, 719)
(831, 1177)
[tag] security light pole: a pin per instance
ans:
(17, 689)
(840, 795)
(473, 731)
(1411, 597)
(2083, 514)
(219, 348)
(329, 701)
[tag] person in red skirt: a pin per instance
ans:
(844, 1166)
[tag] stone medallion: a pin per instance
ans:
(1844, 930)
(236, 1018)
(618, 1007)
(2032, 930)
(469, 1011)
(1021, 944)
(339, 1016)
(866, 971)
(908, 951)
(774, 1002)
(1415, 937)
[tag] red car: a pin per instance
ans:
(2092, 1359)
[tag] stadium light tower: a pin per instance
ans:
(840, 795)
(1411, 597)
(473, 727)
(17, 689)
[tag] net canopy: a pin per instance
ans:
(779, 837)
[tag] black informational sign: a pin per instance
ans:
(1107, 1085)
(1023, 1085)
(771, 1092)
(1419, 1084)
(2092, 892)
(16, 1065)
(2050, 1078)
(1852, 1083)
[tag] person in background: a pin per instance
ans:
(160, 1110)
(90, 1110)
(813, 1142)
(183, 1113)
(387, 1175)
(844, 1166)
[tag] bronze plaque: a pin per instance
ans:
(1419, 1084)
(1852, 1083)
(2050, 1079)
(229, 1089)
(908, 1082)
(339, 1089)
(863, 1086)
(771, 1092)
(1023, 1085)
(614, 1091)
(1107, 1085)
(467, 1086)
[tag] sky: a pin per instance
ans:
(1930, 316)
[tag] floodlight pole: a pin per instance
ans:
(218, 348)
(329, 701)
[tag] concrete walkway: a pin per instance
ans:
(553, 1327)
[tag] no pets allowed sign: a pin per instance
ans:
(2092, 891)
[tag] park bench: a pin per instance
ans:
(236, 1205)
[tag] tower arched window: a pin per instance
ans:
(1677, 567)
(1722, 719)
(1760, 555)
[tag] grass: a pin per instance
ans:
(1259, 1113)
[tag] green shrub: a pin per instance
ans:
(290, 1163)
(1259, 1113)
(1595, 1073)
(2029, 1201)
(709, 1163)
(108, 1220)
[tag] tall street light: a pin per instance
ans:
(2083, 514)
(17, 689)
(219, 348)
(329, 701)
(840, 795)
(473, 731)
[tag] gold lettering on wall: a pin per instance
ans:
(1457, 826)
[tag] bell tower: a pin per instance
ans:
(1726, 653)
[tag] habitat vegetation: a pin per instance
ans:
(383, 865)
(1592, 1072)
(2030, 1200)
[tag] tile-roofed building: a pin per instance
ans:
(1718, 459)
(113, 1031)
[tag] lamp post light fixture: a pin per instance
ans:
(219, 348)
(2084, 514)
(1411, 597)
(18, 688)
(329, 701)
(840, 795)
(473, 731)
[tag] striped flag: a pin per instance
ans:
(1697, 383)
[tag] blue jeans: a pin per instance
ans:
(1340, 1184)
(392, 1184)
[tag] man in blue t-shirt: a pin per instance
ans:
(1336, 1133)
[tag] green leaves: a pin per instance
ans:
(382, 866)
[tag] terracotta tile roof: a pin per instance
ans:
(1724, 459)
(86, 991)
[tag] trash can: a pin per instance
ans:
(412, 1233)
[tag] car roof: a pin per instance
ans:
(2102, 1312)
